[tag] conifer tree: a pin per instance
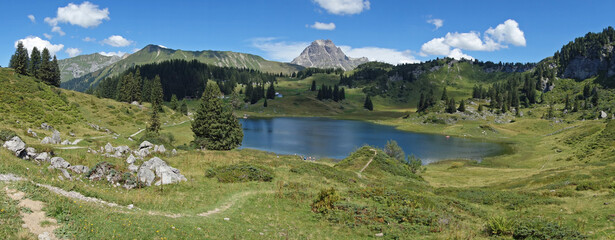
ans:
(135, 87)
(174, 102)
(157, 93)
(55, 72)
(567, 103)
(214, 126)
(480, 108)
(20, 59)
(421, 104)
(265, 103)
(154, 124)
(313, 87)
(444, 95)
(46, 70)
(576, 106)
(271, 91)
(184, 107)
(336, 92)
(368, 103)
(462, 106)
(342, 94)
(451, 106)
(594, 97)
(35, 62)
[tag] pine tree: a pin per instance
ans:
(595, 97)
(20, 59)
(480, 108)
(313, 88)
(462, 106)
(174, 102)
(184, 107)
(157, 93)
(567, 103)
(55, 72)
(35, 62)
(248, 93)
(342, 94)
(336, 92)
(576, 106)
(271, 91)
(265, 103)
(368, 103)
(421, 104)
(444, 95)
(214, 125)
(136, 89)
(451, 106)
(154, 124)
(46, 69)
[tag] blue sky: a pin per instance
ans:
(393, 31)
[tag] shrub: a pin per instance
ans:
(166, 139)
(325, 202)
(394, 150)
(241, 173)
(499, 226)
(6, 134)
(540, 229)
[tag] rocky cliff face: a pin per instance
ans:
(324, 54)
(80, 65)
(582, 67)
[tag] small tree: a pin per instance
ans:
(444, 95)
(451, 106)
(174, 102)
(55, 72)
(184, 107)
(313, 87)
(576, 106)
(415, 163)
(271, 91)
(480, 108)
(265, 103)
(394, 150)
(154, 124)
(368, 103)
(157, 93)
(19, 61)
(567, 103)
(35, 62)
(462, 106)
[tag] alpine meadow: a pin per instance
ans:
(427, 120)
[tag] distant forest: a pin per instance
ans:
(178, 77)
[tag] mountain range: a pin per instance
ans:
(83, 64)
(157, 54)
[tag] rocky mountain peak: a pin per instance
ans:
(324, 54)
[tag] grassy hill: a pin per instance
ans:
(157, 54)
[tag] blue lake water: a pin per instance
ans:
(323, 137)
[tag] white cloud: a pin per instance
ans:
(85, 15)
(58, 30)
(109, 54)
(117, 41)
(493, 39)
(279, 50)
(436, 22)
(323, 26)
(457, 54)
(48, 36)
(89, 39)
(32, 18)
(73, 51)
(31, 41)
(508, 32)
(388, 55)
(342, 7)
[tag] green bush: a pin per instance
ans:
(6, 134)
(325, 202)
(499, 226)
(166, 139)
(540, 229)
(240, 173)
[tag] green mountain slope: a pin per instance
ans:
(83, 64)
(156, 54)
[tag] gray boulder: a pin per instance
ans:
(146, 145)
(160, 149)
(79, 169)
(65, 142)
(30, 153)
(46, 126)
(58, 162)
(142, 153)
(66, 174)
(174, 152)
(122, 149)
(133, 168)
(46, 140)
(17, 146)
(603, 114)
(146, 176)
(156, 167)
(42, 157)
(32, 133)
(113, 176)
(109, 148)
(55, 137)
(131, 159)
(135, 103)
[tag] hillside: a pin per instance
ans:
(83, 64)
(157, 54)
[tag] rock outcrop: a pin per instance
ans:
(156, 167)
(324, 54)
(17, 146)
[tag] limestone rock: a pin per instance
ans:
(17, 146)
(65, 142)
(324, 54)
(131, 159)
(66, 174)
(100, 171)
(46, 140)
(161, 149)
(174, 152)
(55, 137)
(58, 162)
(32, 133)
(156, 167)
(109, 148)
(43, 157)
(146, 145)
(603, 114)
(46, 126)
(79, 169)
(133, 168)
(135, 103)
(30, 153)
(122, 149)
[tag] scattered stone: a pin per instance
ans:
(122, 149)
(42, 157)
(135, 103)
(146, 145)
(100, 170)
(227, 219)
(46, 126)
(65, 142)
(161, 149)
(72, 134)
(603, 114)
(109, 148)
(174, 152)
(17, 146)
(9, 178)
(32, 133)
(66, 174)
(46, 140)
(55, 138)
(60, 163)
(79, 169)
(142, 153)
(130, 206)
(131, 159)
(30, 153)
(166, 173)
(133, 168)
(114, 176)
(379, 234)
